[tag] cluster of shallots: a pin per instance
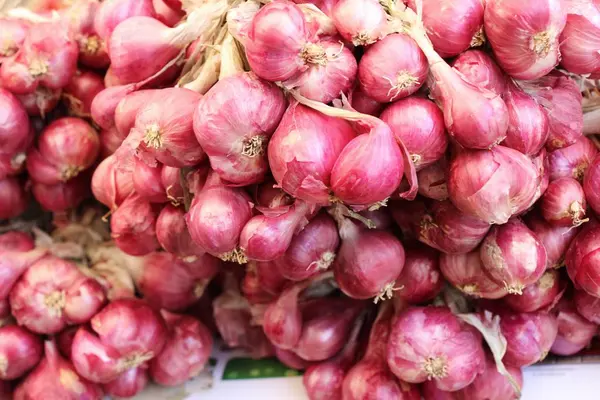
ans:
(381, 194)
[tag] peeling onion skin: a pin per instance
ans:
(111, 185)
(539, 295)
(574, 331)
(432, 343)
(572, 161)
(20, 351)
(580, 38)
(40, 102)
(480, 69)
(590, 185)
(587, 305)
(133, 226)
(582, 260)
(466, 273)
(433, 181)
(525, 37)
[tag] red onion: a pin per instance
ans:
(419, 124)
(92, 49)
(216, 219)
(363, 103)
(290, 359)
(267, 277)
(433, 182)
(311, 251)
(48, 57)
(492, 184)
(147, 181)
(492, 385)
(420, 278)
(64, 341)
(580, 38)
(539, 295)
(15, 134)
(282, 321)
(574, 332)
(186, 351)
(561, 98)
(581, 263)
(467, 274)
(572, 161)
(252, 289)
(590, 185)
(563, 203)
(171, 283)
(233, 123)
(80, 92)
(368, 262)
(475, 117)
(587, 306)
(126, 334)
(111, 80)
(128, 384)
(13, 199)
(54, 376)
(479, 69)
(127, 107)
(555, 239)
(110, 140)
(304, 149)
(15, 240)
(104, 105)
(172, 233)
(430, 391)
(41, 101)
(325, 329)
(111, 185)
(466, 29)
(12, 164)
(392, 68)
(361, 22)
(112, 12)
(62, 196)
(53, 293)
(20, 351)
(65, 148)
(529, 337)
(432, 343)
(133, 226)
(527, 121)
(268, 195)
(167, 15)
(524, 37)
(14, 32)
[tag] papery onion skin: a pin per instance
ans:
(419, 124)
(563, 203)
(581, 260)
(20, 351)
(13, 199)
(590, 185)
(128, 384)
(133, 226)
(574, 331)
(112, 12)
(420, 280)
(529, 337)
(304, 149)
(432, 343)
(62, 196)
(14, 125)
(451, 39)
(392, 68)
(525, 37)
(572, 161)
(111, 185)
(538, 295)
(433, 181)
(556, 239)
(492, 385)
(466, 273)
(80, 92)
(14, 32)
(233, 123)
(587, 306)
(172, 232)
(504, 185)
(480, 69)
(580, 38)
(361, 22)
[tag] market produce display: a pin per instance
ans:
(399, 198)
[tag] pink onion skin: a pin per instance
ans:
(13, 199)
(574, 331)
(420, 279)
(528, 127)
(20, 351)
(590, 185)
(491, 385)
(133, 226)
(125, 330)
(276, 38)
(323, 380)
(525, 38)
(14, 32)
(80, 92)
(55, 376)
(290, 359)
(111, 185)
(128, 384)
(15, 134)
(419, 123)
(364, 104)
(65, 148)
(128, 106)
(363, 274)
(430, 391)
(172, 232)
(64, 341)
(303, 151)
(269, 196)
(587, 306)
(563, 203)
(230, 207)
(452, 39)
(147, 181)
(423, 334)
(433, 181)
(580, 38)
(311, 251)
(14, 263)
(513, 267)
(105, 102)
(478, 194)
(48, 57)
(581, 260)
(572, 161)
(16, 240)
(226, 122)
(282, 321)
(478, 68)
(52, 294)
(40, 102)
(110, 140)
(361, 22)
(467, 274)
(529, 337)
(62, 196)
(92, 49)
(538, 296)
(185, 354)
(392, 68)
(555, 239)
(167, 15)
(112, 12)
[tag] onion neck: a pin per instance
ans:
(202, 22)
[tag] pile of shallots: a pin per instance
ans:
(381, 194)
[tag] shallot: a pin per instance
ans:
(20, 351)
(590, 184)
(480, 69)
(572, 161)
(563, 203)
(555, 239)
(582, 267)
(539, 295)
(574, 331)
(587, 306)
(13, 199)
(467, 274)
(581, 38)
(361, 22)
(133, 226)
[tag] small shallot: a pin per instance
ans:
(563, 203)
(133, 226)
(172, 232)
(420, 280)
(572, 161)
(480, 69)
(543, 293)
(111, 185)
(20, 351)
(574, 331)
(556, 239)
(581, 262)
(588, 306)
(466, 273)
(361, 22)
(13, 199)
(590, 184)
(580, 39)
